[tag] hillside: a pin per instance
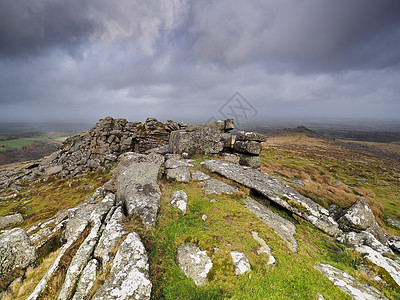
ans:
(172, 211)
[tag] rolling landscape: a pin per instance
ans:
(219, 222)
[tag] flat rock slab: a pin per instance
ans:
(129, 277)
(173, 163)
(110, 237)
(179, 200)
(275, 190)
(179, 174)
(139, 192)
(16, 251)
(194, 263)
(86, 280)
(282, 227)
(392, 267)
(199, 176)
(214, 186)
(240, 262)
(11, 220)
(348, 284)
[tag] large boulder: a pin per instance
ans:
(194, 263)
(16, 251)
(359, 217)
(129, 277)
(252, 161)
(11, 220)
(250, 136)
(248, 147)
(137, 188)
(203, 140)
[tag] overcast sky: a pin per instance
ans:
(81, 60)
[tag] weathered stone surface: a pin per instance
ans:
(264, 247)
(199, 176)
(11, 220)
(110, 237)
(214, 186)
(392, 267)
(282, 227)
(56, 264)
(54, 170)
(359, 217)
(176, 163)
(129, 278)
(194, 263)
(179, 174)
(88, 213)
(229, 124)
(354, 239)
(79, 262)
(251, 161)
(275, 190)
(138, 190)
(231, 157)
(393, 242)
(179, 200)
(86, 280)
(240, 262)
(250, 136)
(248, 147)
(16, 251)
(348, 284)
(394, 222)
(203, 140)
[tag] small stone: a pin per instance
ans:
(240, 262)
(179, 200)
(213, 201)
(204, 218)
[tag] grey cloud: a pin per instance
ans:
(309, 34)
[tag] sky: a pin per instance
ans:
(82, 60)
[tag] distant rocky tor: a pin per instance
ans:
(91, 236)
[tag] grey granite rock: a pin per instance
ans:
(179, 174)
(129, 277)
(138, 191)
(264, 248)
(11, 220)
(240, 262)
(348, 284)
(194, 263)
(109, 238)
(86, 280)
(214, 186)
(179, 200)
(248, 147)
(16, 251)
(199, 176)
(250, 136)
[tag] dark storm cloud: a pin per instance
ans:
(85, 59)
(27, 27)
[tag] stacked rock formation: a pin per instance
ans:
(96, 148)
(248, 144)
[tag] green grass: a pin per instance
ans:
(18, 143)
